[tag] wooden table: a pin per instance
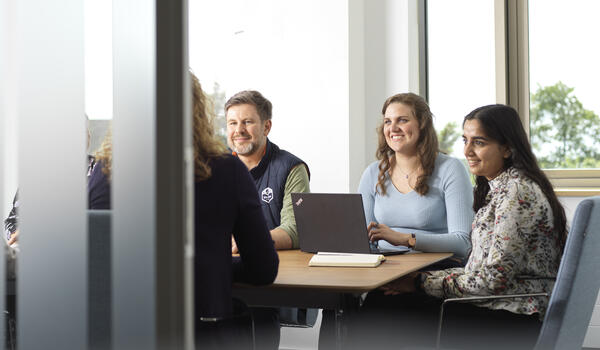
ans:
(332, 288)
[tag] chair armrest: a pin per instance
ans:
(527, 277)
(492, 297)
(478, 298)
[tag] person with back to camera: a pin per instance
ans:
(226, 204)
(413, 195)
(99, 196)
(518, 234)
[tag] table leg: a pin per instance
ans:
(339, 336)
(334, 323)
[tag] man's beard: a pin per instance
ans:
(245, 148)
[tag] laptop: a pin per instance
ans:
(334, 222)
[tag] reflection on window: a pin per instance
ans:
(461, 64)
(564, 122)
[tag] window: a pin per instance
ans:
(534, 55)
(296, 54)
(564, 107)
(564, 111)
(461, 66)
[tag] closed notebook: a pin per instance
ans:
(346, 259)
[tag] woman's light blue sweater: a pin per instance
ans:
(441, 220)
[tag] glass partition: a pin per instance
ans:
(52, 266)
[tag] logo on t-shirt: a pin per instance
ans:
(267, 195)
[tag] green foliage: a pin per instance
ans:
(448, 136)
(559, 123)
(217, 98)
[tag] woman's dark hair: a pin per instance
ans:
(502, 124)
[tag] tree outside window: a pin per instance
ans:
(564, 134)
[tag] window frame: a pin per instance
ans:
(567, 182)
(511, 22)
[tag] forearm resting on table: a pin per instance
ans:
(281, 238)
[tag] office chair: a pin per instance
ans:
(576, 288)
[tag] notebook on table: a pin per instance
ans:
(334, 222)
(346, 259)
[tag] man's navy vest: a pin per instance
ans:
(270, 176)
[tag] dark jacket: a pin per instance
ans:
(226, 204)
(98, 188)
(270, 176)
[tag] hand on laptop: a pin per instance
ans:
(380, 231)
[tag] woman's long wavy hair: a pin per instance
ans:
(104, 153)
(502, 124)
(427, 144)
(206, 144)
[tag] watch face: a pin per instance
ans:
(412, 240)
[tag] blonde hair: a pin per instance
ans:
(206, 144)
(104, 153)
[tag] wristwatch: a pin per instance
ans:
(412, 240)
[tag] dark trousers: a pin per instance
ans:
(410, 321)
(327, 334)
(248, 328)
(266, 327)
(235, 332)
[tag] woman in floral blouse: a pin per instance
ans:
(517, 238)
(519, 226)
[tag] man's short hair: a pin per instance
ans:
(252, 97)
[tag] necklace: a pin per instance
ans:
(407, 175)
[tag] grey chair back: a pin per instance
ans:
(577, 282)
(99, 279)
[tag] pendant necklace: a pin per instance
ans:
(409, 174)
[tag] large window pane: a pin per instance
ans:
(564, 122)
(296, 54)
(461, 64)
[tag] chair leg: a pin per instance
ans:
(253, 331)
(438, 338)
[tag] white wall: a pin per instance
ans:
(380, 66)
(296, 55)
(327, 67)
(309, 90)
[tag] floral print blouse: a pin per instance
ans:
(515, 249)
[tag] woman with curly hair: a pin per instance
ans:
(518, 234)
(226, 203)
(99, 179)
(413, 195)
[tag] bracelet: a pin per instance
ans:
(412, 240)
